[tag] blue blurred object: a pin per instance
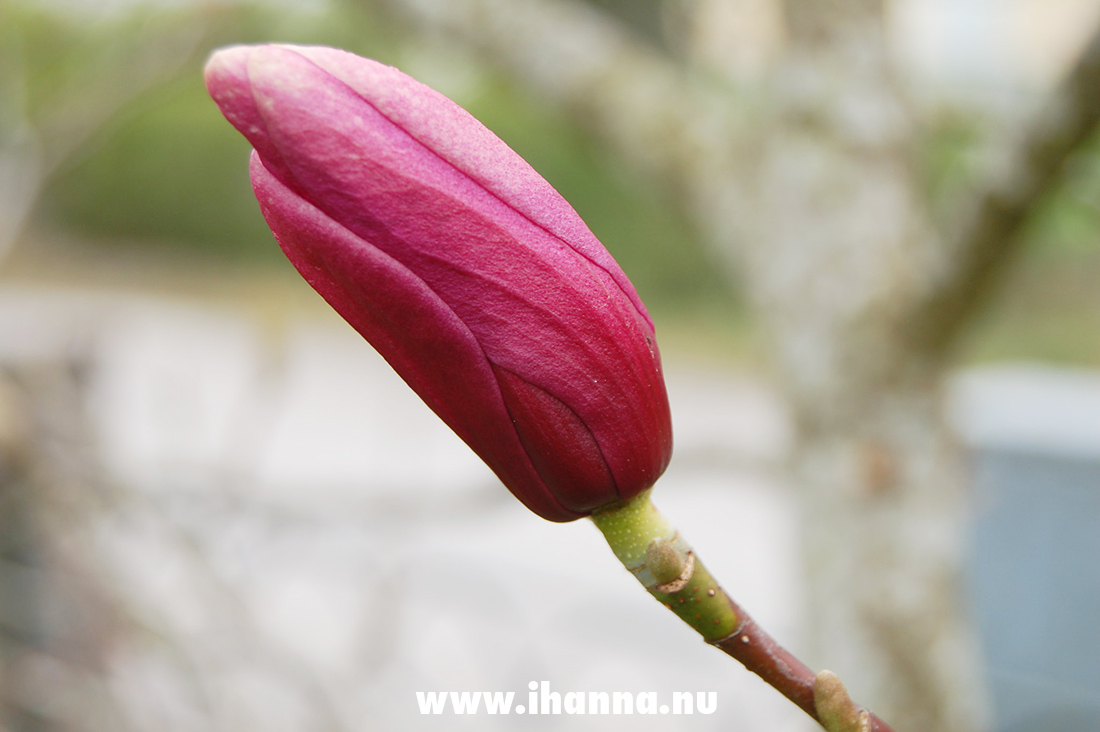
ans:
(1035, 562)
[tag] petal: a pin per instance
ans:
(549, 429)
(226, 76)
(457, 137)
(418, 334)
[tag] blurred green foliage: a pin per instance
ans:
(1066, 223)
(167, 175)
(1048, 307)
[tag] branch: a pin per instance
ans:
(988, 236)
(661, 559)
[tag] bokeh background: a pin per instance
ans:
(219, 510)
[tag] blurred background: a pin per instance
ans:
(869, 233)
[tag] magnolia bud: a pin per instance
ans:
(465, 269)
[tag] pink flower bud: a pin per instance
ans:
(465, 269)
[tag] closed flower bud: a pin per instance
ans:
(465, 269)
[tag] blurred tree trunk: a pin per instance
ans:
(808, 186)
(835, 270)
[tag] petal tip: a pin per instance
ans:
(226, 69)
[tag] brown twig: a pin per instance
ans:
(760, 653)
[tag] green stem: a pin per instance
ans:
(662, 560)
(631, 528)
